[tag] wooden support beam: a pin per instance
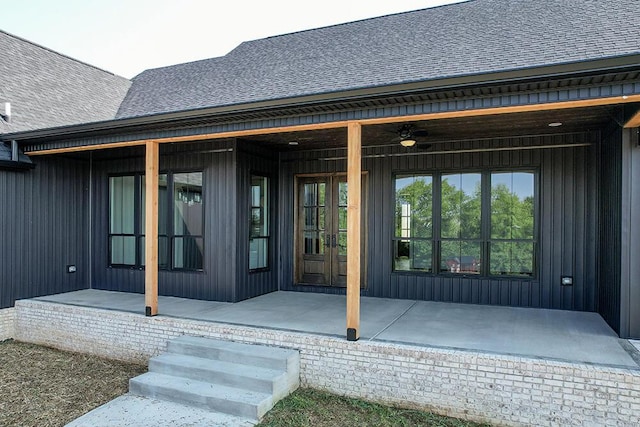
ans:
(615, 100)
(354, 207)
(152, 167)
(634, 121)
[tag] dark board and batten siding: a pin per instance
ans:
(217, 280)
(609, 252)
(43, 228)
(568, 202)
(253, 160)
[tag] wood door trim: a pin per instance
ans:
(298, 246)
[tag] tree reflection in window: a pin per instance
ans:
(413, 241)
(461, 223)
(512, 223)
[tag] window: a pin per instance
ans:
(512, 224)
(480, 223)
(122, 232)
(259, 223)
(180, 203)
(460, 223)
(413, 241)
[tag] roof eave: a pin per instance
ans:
(544, 72)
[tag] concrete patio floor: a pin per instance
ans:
(539, 333)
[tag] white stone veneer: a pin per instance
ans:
(503, 390)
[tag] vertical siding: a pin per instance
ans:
(43, 228)
(217, 280)
(630, 236)
(252, 159)
(567, 231)
(610, 226)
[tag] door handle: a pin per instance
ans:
(327, 241)
(334, 242)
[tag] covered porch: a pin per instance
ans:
(556, 335)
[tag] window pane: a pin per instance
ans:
(311, 194)
(310, 218)
(187, 253)
(512, 258)
(259, 207)
(414, 204)
(461, 206)
(163, 251)
(187, 200)
(342, 243)
(413, 255)
(121, 204)
(313, 243)
(123, 250)
(512, 205)
(258, 253)
(460, 257)
(163, 214)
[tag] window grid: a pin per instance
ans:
(517, 253)
(179, 248)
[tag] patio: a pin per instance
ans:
(536, 333)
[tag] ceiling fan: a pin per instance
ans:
(409, 134)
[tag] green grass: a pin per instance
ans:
(308, 407)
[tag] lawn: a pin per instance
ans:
(307, 407)
(42, 387)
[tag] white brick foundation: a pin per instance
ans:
(503, 390)
(7, 323)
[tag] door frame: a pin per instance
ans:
(297, 244)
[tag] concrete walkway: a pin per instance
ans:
(136, 411)
(550, 334)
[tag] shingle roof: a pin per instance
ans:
(48, 89)
(473, 37)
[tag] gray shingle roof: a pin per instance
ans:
(474, 37)
(47, 89)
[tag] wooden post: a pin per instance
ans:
(354, 196)
(152, 167)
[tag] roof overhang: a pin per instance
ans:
(587, 68)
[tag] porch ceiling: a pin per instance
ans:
(443, 130)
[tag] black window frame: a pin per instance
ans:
(396, 239)
(268, 199)
(485, 222)
(139, 235)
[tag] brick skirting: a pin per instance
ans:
(500, 389)
(7, 323)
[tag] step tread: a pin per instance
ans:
(217, 365)
(251, 349)
(201, 388)
(213, 365)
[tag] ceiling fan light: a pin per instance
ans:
(408, 142)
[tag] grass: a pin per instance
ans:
(307, 407)
(43, 387)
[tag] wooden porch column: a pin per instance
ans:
(152, 166)
(354, 196)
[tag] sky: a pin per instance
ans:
(126, 37)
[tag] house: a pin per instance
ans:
(484, 152)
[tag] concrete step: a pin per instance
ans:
(218, 372)
(244, 354)
(228, 400)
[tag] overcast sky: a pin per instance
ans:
(129, 36)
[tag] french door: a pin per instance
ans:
(321, 230)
